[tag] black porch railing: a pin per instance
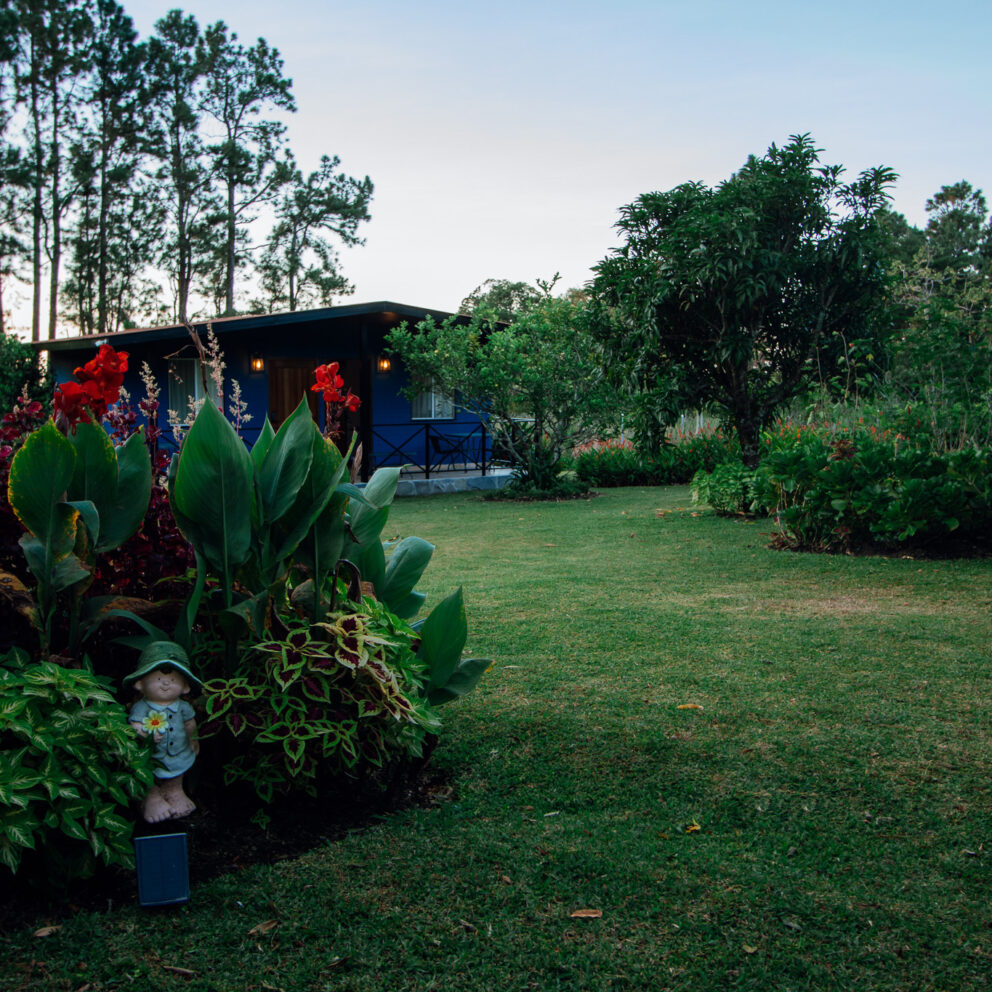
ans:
(431, 450)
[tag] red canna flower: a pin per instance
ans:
(328, 382)
(99, 387)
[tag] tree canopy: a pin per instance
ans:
(133, 172)
(538, 381)
(735, 296)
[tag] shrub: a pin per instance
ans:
(70, 766)
(835, 491)
(619, 463)
(326, 699)
(728, 489)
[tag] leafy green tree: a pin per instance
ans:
(298, 266)
(20, 372)
(958, 233)
(502, 299)
(941, 363)
(538, 382)
(184, 179)
(239, 85)
(740, 290)
(54, 39)
(119, 220)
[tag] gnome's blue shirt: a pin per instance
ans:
(174, 753)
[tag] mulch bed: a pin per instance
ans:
(221, 838)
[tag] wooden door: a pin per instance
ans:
(290, 379)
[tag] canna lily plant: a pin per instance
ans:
(256, 518)
(77, 496)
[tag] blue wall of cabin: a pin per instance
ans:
(393, 437)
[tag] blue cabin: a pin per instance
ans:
(273, 357)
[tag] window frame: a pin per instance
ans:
(436, 401)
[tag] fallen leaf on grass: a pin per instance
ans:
(46, 931)
(688, 706)
(692, 828)
(586, 914)
(261, 928)
(748, 949)
(185, 972)
(791, 923)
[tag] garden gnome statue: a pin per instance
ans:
(163, 678)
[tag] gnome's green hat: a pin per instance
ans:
(160, 653)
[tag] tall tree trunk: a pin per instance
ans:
(229, 262)
(36, 205)
(55, 253)
(101, 246)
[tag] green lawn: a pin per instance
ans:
(839, 772)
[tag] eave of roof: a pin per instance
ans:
(242, 323)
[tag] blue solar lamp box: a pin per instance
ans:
(163, 869)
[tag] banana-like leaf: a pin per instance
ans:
(68, 572)
(304, 523)
(39, 477)
(90, 518)
(286, 464)
(262, 442)
(463, 679)
(371, 561)
(409, 559)
(442, 638)
(133, 492)
(409, 606)
(367, 520)
(94, 475)
(213, 493)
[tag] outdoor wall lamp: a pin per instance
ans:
(383, 364)
(257, 363)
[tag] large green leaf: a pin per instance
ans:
(213, 492)
(311, 524)
(133, 492)
(407, 564)
(463, 679)
(39, 477)
(94, 475)
(262, 442)
(367, 521)
(442, 638)
(409, 606)
(286, 463)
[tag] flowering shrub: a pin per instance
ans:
(832, 488)
(836, 490)
(619, 463)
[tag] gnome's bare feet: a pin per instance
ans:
(180, 804)
(156, 807)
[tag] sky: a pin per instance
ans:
(502, 139)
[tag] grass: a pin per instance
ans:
(839, 772)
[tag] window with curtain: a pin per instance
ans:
(186, 384)
(432, 405)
